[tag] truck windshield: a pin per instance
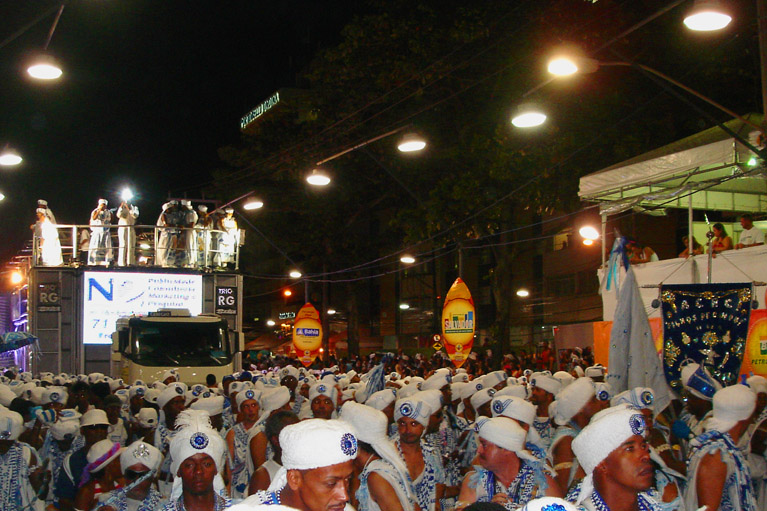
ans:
(179, 344)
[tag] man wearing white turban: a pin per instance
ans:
(197, 451)
(509, 475)
(616, 459)
(237, 440)
(576, 404)
(62, 439)
(718, 473)
(384, 483)
(139, 463)
(19, 479)
(317, 461)
(423, 460)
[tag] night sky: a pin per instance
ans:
(151, 89)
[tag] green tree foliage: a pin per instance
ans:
(455, 69)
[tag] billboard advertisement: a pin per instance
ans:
(110, 295)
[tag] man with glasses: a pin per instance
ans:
(94, 426)
(139, 463)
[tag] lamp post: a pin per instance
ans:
(45, 67)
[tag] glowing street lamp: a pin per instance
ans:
(411, 142)
(253, 203)
(2, 196)
(270, 322)
(16, 277)
(9, 157)
(707, 16)
(287, 293)
(331, 312)
(44, 67)
(318, 178)
(588, 242)
(528, 116)
(404, 306)
(295, 274)
(407, 259)
(588, 232)
(523, 293)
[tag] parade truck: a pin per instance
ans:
(146, 346)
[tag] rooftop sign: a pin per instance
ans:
(260, 110)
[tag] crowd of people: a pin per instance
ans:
(408, 433)
(750, 236)
(185, 237)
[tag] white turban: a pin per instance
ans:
(698, 382)
(564, 378)
(439, 379)
(731, 405)
(103, 201)
(147, 418)
(54, 395)
(413, 408)
(758, 384)
(461, 377)
(481, 397)
(137, 390)
(505, 434)
(289, 371)
(494, 378)
(457, 388)
(547, 383)
(432, 397)
(606, 432)
(519, 391)
(514, 407)
(595, 371)
(639, 397)
(195, 435)
(11, 425)
(571, 399)
(213, 405)
(603, 391)
(140, 452)
(381, 399)
(170, 392)
(272, 399)
(371, 426)
(246, 395)
(64, 430)
(6, 395)
(314, 443)
(322, 389)
(549, 504)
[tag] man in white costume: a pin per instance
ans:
(317, 466)
(127, 214)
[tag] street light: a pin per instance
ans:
(331, 312)
(523, 293)
(588, 232)
(407, 259)
(295, 274)
(2, 196)
(9, 157)
(44, 67)
(581, 64)
(528, 116)
(318, 178)
(270, 322)
(411, 142)
(404, 306)
(707, 15)
(253, 203)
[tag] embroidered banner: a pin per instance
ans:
(707, 323)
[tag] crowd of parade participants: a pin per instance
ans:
(385, 432)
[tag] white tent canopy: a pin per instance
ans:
(710, 170)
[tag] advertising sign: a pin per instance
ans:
(458, 322)
(110, 295)
(48, 297)
(226, 300)
(307, 334)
